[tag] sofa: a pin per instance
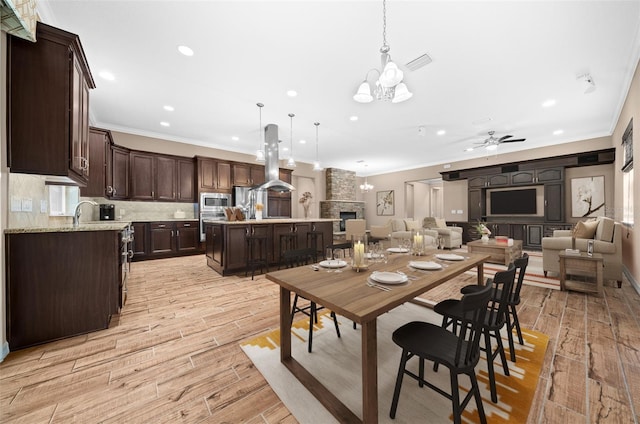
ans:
(451, 236)
(607, 240)
(398, 228)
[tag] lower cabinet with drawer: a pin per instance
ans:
(165, 239)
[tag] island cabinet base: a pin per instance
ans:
(226, 247)
(60, 284)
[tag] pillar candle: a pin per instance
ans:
(358, 254)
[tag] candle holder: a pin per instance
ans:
(417, 242)
(359, 257)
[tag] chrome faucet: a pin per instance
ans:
(76, 214)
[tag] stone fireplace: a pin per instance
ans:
(341, 200)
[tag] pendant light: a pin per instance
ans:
(291, 162)
(260, 151)
(366, 187)
(316, 164)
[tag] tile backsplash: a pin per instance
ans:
(30, 192)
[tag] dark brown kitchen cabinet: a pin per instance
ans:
(173, 238)
(476, 202)
(280, 202)
(214, 175)
(247, 175)
(142, 176)
(140, 240)
(214, 246)
(161, 177)
(235, 247)
(118, 173)
(60, 284)
(554, 202)
(537, 176)
(185, 171)
(99, 143)
(48, 85)
(161, 236)
(187, 236)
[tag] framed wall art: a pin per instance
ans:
(587, 197)
(385, 203)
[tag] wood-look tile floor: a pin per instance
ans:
(173, 355)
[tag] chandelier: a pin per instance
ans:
(366, 187)
(389, 85)
(260, 151)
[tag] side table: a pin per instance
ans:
(581, 265)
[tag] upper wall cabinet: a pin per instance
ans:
(537, 176)
(48, 105)
(99, 144)
(213, 175)
(246, 175)
(161, 177)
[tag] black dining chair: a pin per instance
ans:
(459, 352)
(300, 257)
(513, 301)
(495, 319)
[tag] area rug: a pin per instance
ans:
(336, 363)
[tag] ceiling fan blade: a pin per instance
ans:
(504, 137)
(514, 140)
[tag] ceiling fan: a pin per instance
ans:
(492, 142)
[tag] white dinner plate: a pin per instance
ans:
(428, 265)
(449, 257)
(388, 277)
(333, 263)
(397, 250)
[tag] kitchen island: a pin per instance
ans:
(226, 247)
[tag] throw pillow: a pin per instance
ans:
(412, 225)
(605, 229)
(429, 222)
(441, 223)
(585, 229)
(398, 225)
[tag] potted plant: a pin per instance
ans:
(482, 229)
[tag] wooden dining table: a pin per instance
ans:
(346, 293)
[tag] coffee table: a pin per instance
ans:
(500, 253)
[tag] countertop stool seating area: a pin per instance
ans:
(495, 319)
(287, 242)
(458, 351)
(315, 239)
(256, 254)
(301, 257)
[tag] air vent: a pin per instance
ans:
(418, 62)
(509, 168)
(584, 159)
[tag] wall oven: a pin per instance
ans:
(212, 206)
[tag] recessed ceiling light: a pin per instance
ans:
(558, 132)
(165, 124)
(353, 118)
(292, 93)
(107, 75)
(468, 149)
(285, 149)
(185, 50)
(303, 141)
(168, 108)
(549, 103)
(441, 132)
(235, 138)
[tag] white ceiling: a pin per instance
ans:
(497, 60)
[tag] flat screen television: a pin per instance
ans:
(514, 202)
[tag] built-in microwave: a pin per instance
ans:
(215, 202)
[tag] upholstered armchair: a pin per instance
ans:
(451, 236)
(398, 228)
(607, 240)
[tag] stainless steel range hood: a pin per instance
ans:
(272, 163)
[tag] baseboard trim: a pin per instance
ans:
(5, 351)
(629, 277)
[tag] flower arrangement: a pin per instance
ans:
(482, 229)
(306, 197)
(259, 206)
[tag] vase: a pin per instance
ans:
(258, 215)
(306, 210)
(485, 238)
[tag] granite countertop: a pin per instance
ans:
(270, 221)
(164, 220)
(84, 226)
